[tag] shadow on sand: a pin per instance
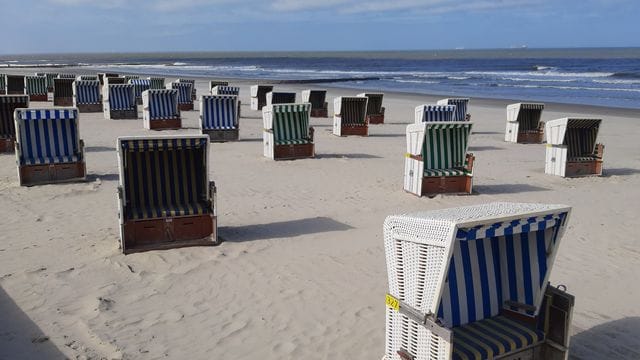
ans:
(99, 149)
(613, 340)
(103, 177)
(506, 189)
(484, 148)
(619, 172)
(347, 156)
(282, 229)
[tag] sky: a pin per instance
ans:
(61, 26)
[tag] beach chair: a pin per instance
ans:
(48, 146)
(88, 77)
(429, 112)
(350, 116)
(523, 123)
(375, 110)
(139, 85)
(572, 148)
(156, 83)
(127, 78)
(278, 97)
(36, 88)
(15, 84)
(214, 83)
(118, 102)
(287, 134)
(165, 197)
(8, 104)
(473, 283)
(193, 87)
(462, 108)
(102, 76)
(3, 84)
(50, 77)
(437, 161)
(317, 99)
(66, 76)
(219, 117)
(63, 91)
(227, 90)
(259, 96)
(160, 109)
(86, 96)
(185, 100)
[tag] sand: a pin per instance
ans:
(301, 273)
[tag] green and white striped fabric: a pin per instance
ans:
(50, 77)
(291, 124)
(445, 149)
(36, 85)
(156, 82)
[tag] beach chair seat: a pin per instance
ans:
(259, 96)
(375, 110)
(36, 88)
(8, 104)
(118, 101)
(350, 116)
(86, 95)
(279, 97)
(523, 123)
(317, 99)
(220, 89)
(439, 113)
(160, 109)
(48, 148)
(63, 91)
(437, 161)
(185, 98)
(15, 84)
(462, 108)
(287, 134)
(139, 85)
(156, 83)
(572, 148)
(165, 197)
(219, 117)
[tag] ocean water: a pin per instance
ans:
(608, 77)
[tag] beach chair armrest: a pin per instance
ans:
(382, 109)
(311, 132)
(467, 117)
(599, 151)
(213, 191)
(468, 163)
(414, 157)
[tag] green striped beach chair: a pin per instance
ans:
(259, 96)
(3, 84)
(36, 88)
(156, 83)
(8, 104)
(287, 134)
(472, 283)
(572, 147)
(317, 99)
(350, 116)
(165, 197)
(50, 77)
(437, 161)
(15, 84)
(375, 110)
(63, 91)
(523, 123)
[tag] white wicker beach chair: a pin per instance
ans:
(375, 110)
(259, 96)
(473, 283)
(523, 123)
(86, 96)
(572, 148)
(160, 109)
(350, 116)
(317, 99)
(118, 101)
(462, 107)
(428, 113)
(219, 117)
(36, 88)
(287, 134)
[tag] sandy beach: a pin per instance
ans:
(301, 272)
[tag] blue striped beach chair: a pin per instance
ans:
(139, 85)
(462, 108)
(36, 88)
(118, 102)
(259, 96)
(279, 97)
(160, 109)
(15, 84)
(437, 161)
(63, 91)
(214, 83)
(156, 83)
(350, 116)
(185, 100)
(8, 104)
(523, 123)
(48, 146)
(86, 96)
(165, 197)
(375, 110)
(219, 117)
(287, 134)
(429, 112)
(473, 283)
(193, 87)
(572, 147)
(3, 84)
(317, 99)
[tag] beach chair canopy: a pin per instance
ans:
(277, 97)
(442, 145)
(289, 122)
(352, 109)
(214, 83)
(426, 113)
(164, 176)
(139, 85)
(121, 97)
(87, 91)
(48, 136)
(15, 84)
(374, 105)
(63, 87)
(110, 80)
(219, 112)
(527, 115)
(36, 85)
(66, 76)
(225, 90)
(184, 91)
(462, 105)
(579, 135)
(87, 77)
(156, 83)
(8, 103)
(260, 90)
(163, 103)
(317, 98)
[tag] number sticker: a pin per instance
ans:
(392, 302)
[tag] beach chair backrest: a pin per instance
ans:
(225, 90)
(86, 91)
(277, 97)
(214, 83)
(529, 116)
(352, 109)
(578, 135)
(127, 78)
(121, 97)
(50, 77)
(63, 87)
(15, 84)
(139, 85)
(87, 77)
(290, 121)
(8, 103)
(317, 98)
(47, 136)
(163, 103)
(184, 92)
(156, 83)
(164, 176)
(260, 91)
(66, 76)
(219, 112)
(462, 104)
(445, 144)
(374, 105)
(35, 85)
(427, 113)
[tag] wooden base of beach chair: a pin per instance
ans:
(7, 146)
(89, 108)
(50, 89)
(583, 168)
(3, 92)
(321, 113)
(38, 97)
(170, 232)
(376, 119)
(222, 135)
(123, 114)
(63, 101)
(51, 173)
(291, 152)
(433, 185)
(15, 92)
(530, 137)
(185, 107)
(354, 130)
(165, 124)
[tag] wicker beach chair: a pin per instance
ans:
(160, 109)
(317, 99)
(86, 96)
(3, 84)
(8, 104)
(118, 101)
(572, 148)
(437, 161)
(279, 97)
(523, 123)
(350, 116)
(165, 197)
(219, 117)
(48, 146)
(429, 112)
(214, 83)
(156, 83)
(15, 84)
(473, 283)
(185, 100)
(36, 88)
(287, 134)
(259, 96)
(462, 108)
(375, 110)
(139, 85)
(63, 91)
(227, 90)
(194, 96)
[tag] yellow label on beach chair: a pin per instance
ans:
(392, 302)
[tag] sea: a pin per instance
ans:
(591, 76)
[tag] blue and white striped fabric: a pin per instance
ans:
(497, 263)
(48, 136)
(226, 90)
(219, 112)
(461, 107)
(121, 97)
(140, 85)
(184, 92)
(439, 113)
(163, 103)
(87, 91)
